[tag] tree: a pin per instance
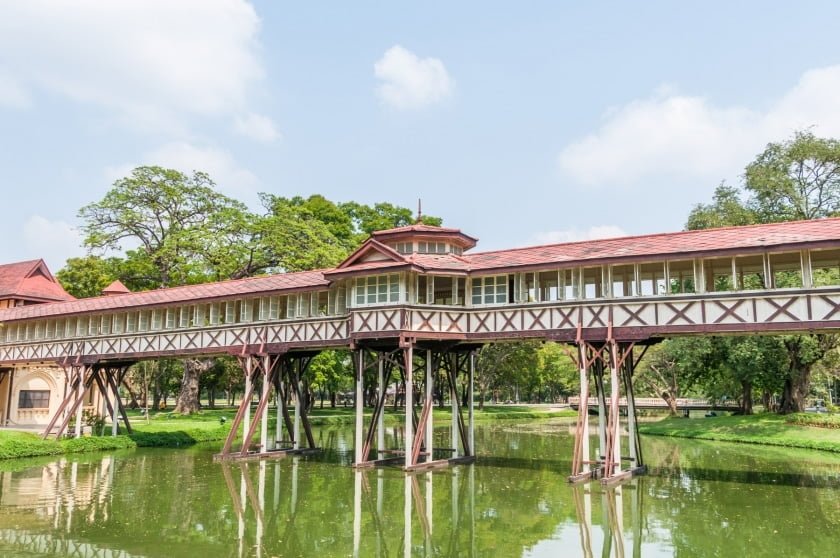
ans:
(171, 220)
(795, 179)
(88, 276)
(503, 365)
(726, 210)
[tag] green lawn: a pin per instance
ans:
(766, 429)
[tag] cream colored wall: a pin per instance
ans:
(37, 377)
(4, 398)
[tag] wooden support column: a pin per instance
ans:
(581, 455)
(243, 413)
(409, 404)
(268, 380)
(453, 401)
(430, 403)
(613, 457)
(249, 392)
(116, 395)
(295, 382)
(380, 419)
(359, 362)
(471, 411)
(80, 394)
(600, 394)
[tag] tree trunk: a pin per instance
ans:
(746, 398)
(187, 402)
(797, 383)
(671, 401)
(158, 394)
(332, 399)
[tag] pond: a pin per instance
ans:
(699, 499)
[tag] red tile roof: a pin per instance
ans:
(665, 245)
(186, 294)
(686, 244)
(421, 231)
(30, 281)
(116, 287)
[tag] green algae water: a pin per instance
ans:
(700, 499)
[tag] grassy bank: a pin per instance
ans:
(171, 430)
(766, 429)
(163, 431)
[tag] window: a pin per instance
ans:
(825, 267)
(82, 326)
(785, 270)
(379, 289)
(157, 319)
(593, 286)
(423, 289)
(34, 399)
(119, 323)
(529, 288)
(570, 283)
(404, 247)
(443, 290)
(322, 301)
(431, 247)
(245, 311)
(273, 307)
(170, 318)
(681, 277)
(652, 279)
(749, 271)
(717, 273)
(131, 322)
(490, 290)
(105, 326)
(231, 312)
(624, 280)
(215, 313)
(262, 314)
(143, 322)
(549, 286)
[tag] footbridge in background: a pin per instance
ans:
(412, 304)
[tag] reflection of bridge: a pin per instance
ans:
(413, 300)
(654, 403)
(261, 499)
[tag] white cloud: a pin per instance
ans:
(230, 178)
(677, 135)
(574, 235)
(409, 82)
(54, 241)
(256, 127)
(148, 61)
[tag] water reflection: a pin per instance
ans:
(614, 540)
(701, 500)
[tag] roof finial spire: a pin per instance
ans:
(419, 211)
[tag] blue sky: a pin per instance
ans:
(520, 123)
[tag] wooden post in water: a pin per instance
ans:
(429, 432)
(409, 408)
(359, 361)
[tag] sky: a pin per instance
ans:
(519, 123)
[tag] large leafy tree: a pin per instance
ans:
(795, 179)
(172, 220)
